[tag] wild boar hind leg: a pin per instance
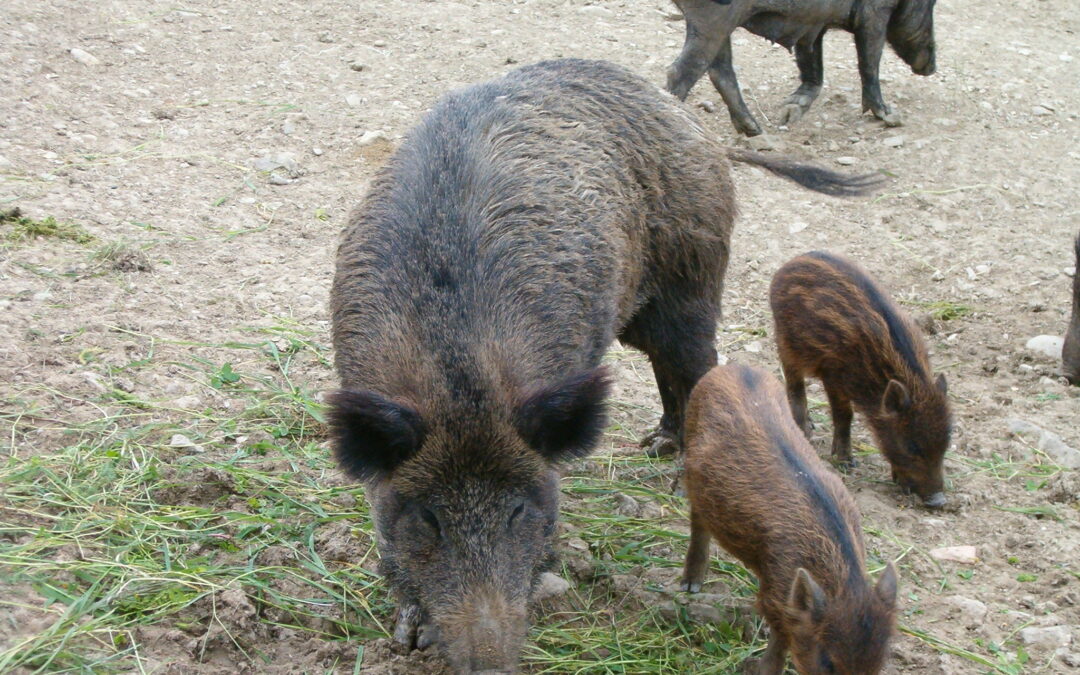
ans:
(808, 56)
(869, 43)
(722, 74)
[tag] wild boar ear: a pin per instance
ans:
(371, 434)
(806, 596)
(896, 398)
(565, 420)
(886, 586)
(942, 385)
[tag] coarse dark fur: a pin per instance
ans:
(1070, 352)
(834, 322)
(523, 226)
(907, 26)
(757, 486)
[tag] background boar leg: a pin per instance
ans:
(697, 555)
(722, 74)
(698, 52)
(796, 394)
(869, 43)
(808, 56)
(841, 416)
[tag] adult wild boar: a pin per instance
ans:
(521, 227)
(907, 25)
(1070, 352)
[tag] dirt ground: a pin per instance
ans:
(214, 148)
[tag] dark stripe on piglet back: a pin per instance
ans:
(902, 339)
(808, 480)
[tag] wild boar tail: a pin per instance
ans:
(809, 176)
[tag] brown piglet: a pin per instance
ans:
(757, 486)
(835, 323)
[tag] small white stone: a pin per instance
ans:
(1048, 345)
(84, 57)
(181, 441)
(754, 347)
(1049, 637)
(893, 141)
(966, 555)
(1041, 111)
(845, 161)
(550, 585)
(797, 226)
(370, 137)
(354, 100)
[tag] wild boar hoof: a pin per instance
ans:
(408, 624)
(660, 443)
(748, 127)
(690, 586)
(427, 634)
(791, 113)
(890, 117)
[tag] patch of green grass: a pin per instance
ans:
(943, 310)
(23, 228)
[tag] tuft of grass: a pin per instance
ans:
(943, 310)
(23, 228)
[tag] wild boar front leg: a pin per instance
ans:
(697, 555)
(772, 662)
(869, 42)
(722, 74)
(841, 416)
(698, 52)
(808, 56)
(679, 342)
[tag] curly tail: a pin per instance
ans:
(810, 176)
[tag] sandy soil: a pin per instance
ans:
(226, 142)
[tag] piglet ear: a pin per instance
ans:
(806, 596)
(565, 420)
(896, 398)
(886, 586)
(372, 435)
(942, 385)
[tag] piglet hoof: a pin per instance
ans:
(408, 623)
(678, 485)
(690, 586)
(660, 443)
(935, 501)
(791, 113)
(846, 465)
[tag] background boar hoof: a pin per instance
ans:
(791, 113)
(660, 443)
(891, 118)
(690, 586)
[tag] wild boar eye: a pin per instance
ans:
(430, 519)
(518, 510)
